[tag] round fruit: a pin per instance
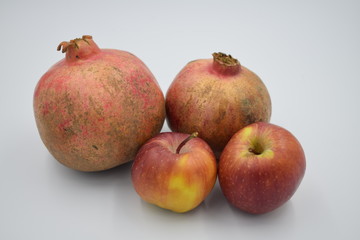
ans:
(174, 172)
(216, 98)
(95, 108)
(261, 168)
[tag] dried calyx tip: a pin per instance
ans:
(225, 59)
(65, 45)
(195, 134)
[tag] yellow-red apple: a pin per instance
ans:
(175, 171)
(261, 167)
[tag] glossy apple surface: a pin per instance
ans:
(170, 180)
(261, 168)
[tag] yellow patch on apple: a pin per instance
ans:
(183, 160)
(182, 196)
(246, 133)
(268, 153)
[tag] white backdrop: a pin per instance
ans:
(307, 54)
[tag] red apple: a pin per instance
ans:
(174, 172)
(261, 167)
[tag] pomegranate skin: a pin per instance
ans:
(97, 107)
(216, 97)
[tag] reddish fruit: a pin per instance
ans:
(261, 167)
(216, 98)
(174, 172)
(95, 108)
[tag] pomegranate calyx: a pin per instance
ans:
(79, 48)
(225, 59)
(225, 64)
(65, 45)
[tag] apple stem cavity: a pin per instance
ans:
(254, 151)
(193, 135)
(257, 148)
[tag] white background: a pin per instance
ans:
(306, 52)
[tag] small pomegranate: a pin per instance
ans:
(216, 97)
(95, 108)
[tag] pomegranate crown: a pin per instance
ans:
(225, 64)
(65, 45)
(79, 48)
(225, 59)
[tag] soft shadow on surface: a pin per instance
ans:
(120, 173)
(153, 209)
(215, 201)
(284, 211)
(278, 223)
(220, 211)
(127, 205)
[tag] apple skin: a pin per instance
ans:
(261, 167)
(178, 182)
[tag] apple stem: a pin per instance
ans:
(254, 151)
(193, 135)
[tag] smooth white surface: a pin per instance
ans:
(306, 52)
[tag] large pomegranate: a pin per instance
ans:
(95, 108)
(216, 97)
